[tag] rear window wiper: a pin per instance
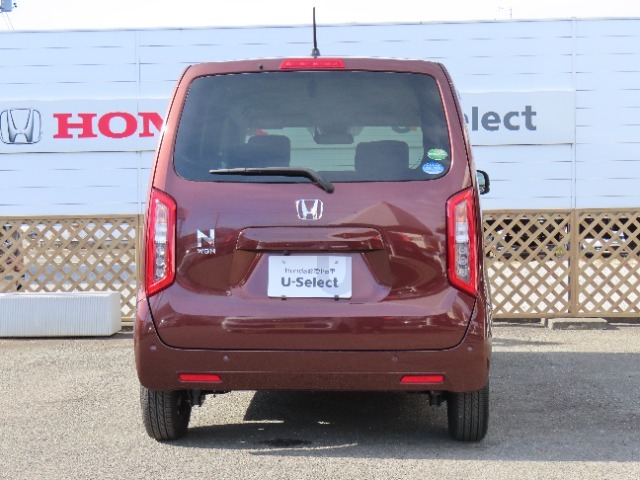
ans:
(312, 175)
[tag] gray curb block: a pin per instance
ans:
(575, 323)
(569, 323)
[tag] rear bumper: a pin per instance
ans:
(465, 367)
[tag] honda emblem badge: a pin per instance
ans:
(309, 209)
(20, 126)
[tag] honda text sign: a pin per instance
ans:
(82, 125)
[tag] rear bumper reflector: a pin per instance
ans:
(422, 379)
(199, 378)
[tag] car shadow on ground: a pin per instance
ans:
(323, 422)
(562, 406)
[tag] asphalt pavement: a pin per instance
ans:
(564, 404)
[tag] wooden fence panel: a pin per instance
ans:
(70, 254)
(580, 263)
(527, 259)
(609, 269)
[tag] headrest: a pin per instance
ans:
(263, 151)
(274, 149)
(382, 159)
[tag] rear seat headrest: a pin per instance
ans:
(263, 151)
(375, 159)
(275, 149)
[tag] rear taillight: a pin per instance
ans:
(161, 235)
(462, 259)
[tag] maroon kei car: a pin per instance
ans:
(314, 224)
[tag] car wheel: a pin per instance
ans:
(468, 414)
(165, 414)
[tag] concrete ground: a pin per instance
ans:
(564, 404)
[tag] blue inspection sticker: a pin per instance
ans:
(433, 168)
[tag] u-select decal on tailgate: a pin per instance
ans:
(310, 276)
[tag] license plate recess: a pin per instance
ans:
(310, 276)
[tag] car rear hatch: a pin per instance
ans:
(274, 259)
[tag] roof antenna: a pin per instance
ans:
(315, 53)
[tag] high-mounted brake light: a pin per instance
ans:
(312, 64)
(462, 255)
(161, 235)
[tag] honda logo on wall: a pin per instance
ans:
(115, 125)
(20, 126)
(309, 209)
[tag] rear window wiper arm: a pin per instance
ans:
(312, 175)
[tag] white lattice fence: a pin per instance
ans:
(70, 254)
(528, 260)
(564, 263)
(609, 269)
(541, 264)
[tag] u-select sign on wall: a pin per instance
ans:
(530, 118)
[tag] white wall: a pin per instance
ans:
(607, 67)
(581, 76)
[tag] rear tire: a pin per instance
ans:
(165, 414)
(468, 414)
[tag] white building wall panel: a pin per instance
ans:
(610, 81)
(97, 89)
(79, 55)
(613, 169)
(69, 201)
(86, 177)
(615, 116)
(621, 27)
(69, 183)
(596, 63)
(511, 82)
(605, 62)
(51, 74)
(523, 175)
(607, 151)
(607, 98)
(157, 89)
(158, 72)
(552, 63)
(610, 133)
(609, 42)
(73, 40)
(608, 113)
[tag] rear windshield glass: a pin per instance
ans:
(347, 126)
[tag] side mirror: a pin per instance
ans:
(483, 182)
